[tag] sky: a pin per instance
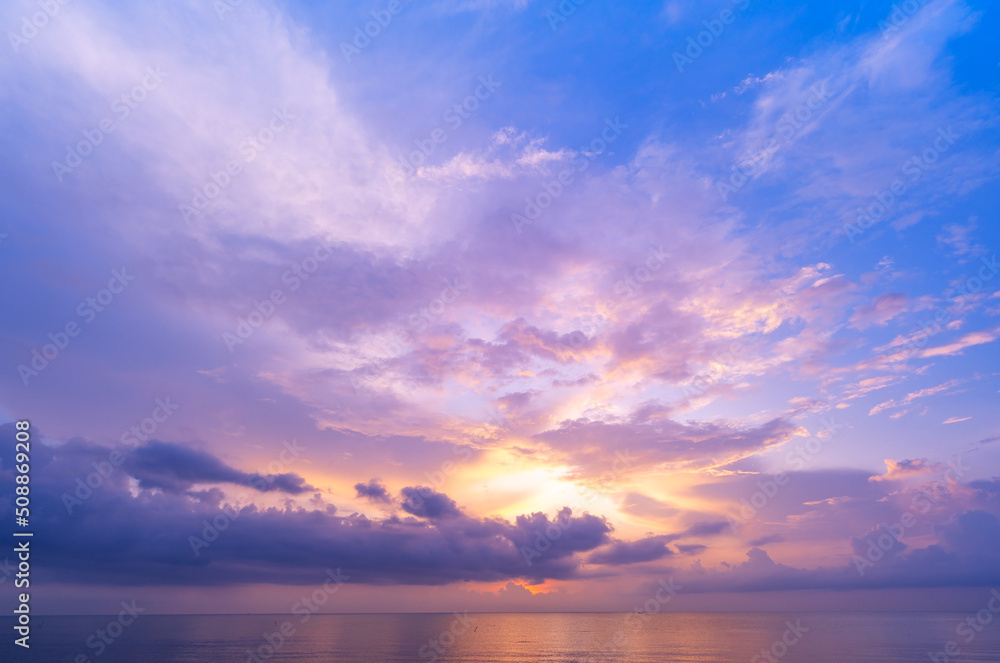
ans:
(502, 305)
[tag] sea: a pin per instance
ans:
(514, 638)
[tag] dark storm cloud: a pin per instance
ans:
(655, 547)
(373, 490)
(691, 548)
(703, 529)
(176, 468)
(427, 503)
(632, 552)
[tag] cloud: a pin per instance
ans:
(764, 540)
(882, 309)
(869, 385)
(865, 78)
(428, 503)
(967, 341)
(655, 547)
(373, 490)
(916, 395)
(959, 239)
(966, 556)
(657, 440)
(632, 552)
(905, 469)
(691, 548)
(753, 81)
(119, 538)
(176, 468)
(704, 529)
(974, 533)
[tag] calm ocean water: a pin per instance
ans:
(502, 638)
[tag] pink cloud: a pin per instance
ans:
(883, 309)
(967, 341)
(909, 398)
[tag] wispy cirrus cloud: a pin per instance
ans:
(969, 340)
(944, 387)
